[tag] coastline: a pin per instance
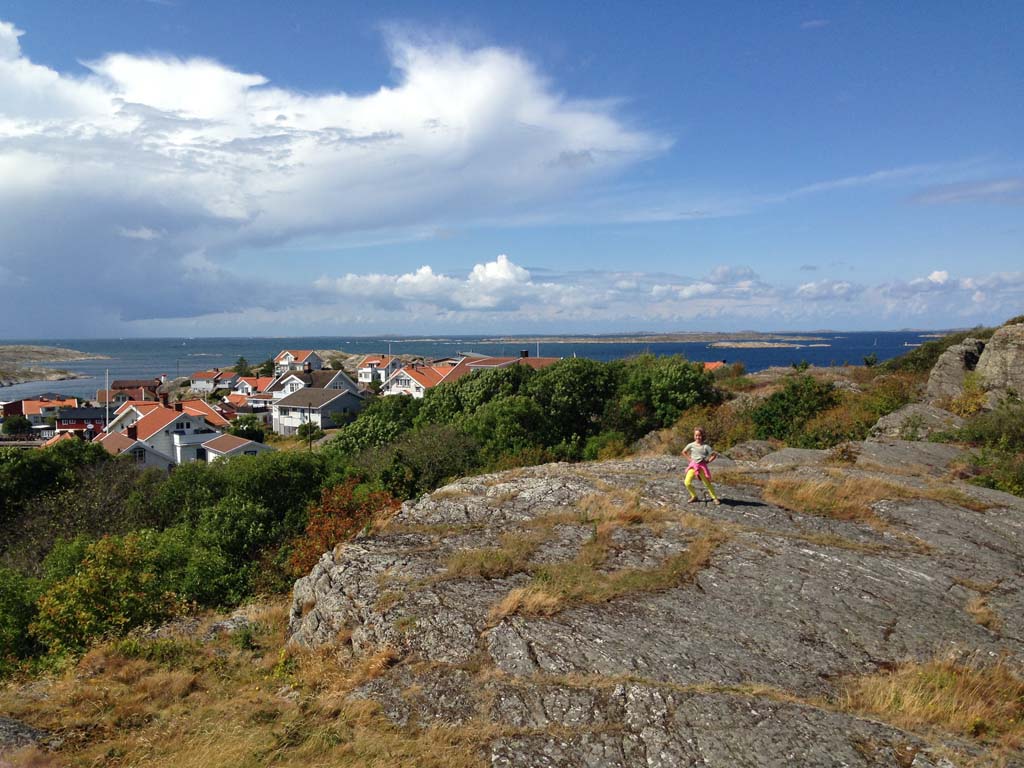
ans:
(659, 338)
(14, 371)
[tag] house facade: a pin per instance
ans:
(323, 407)
(377, 368)
(297, 360)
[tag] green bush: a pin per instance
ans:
(783, 414)
(607, 445)
(572, 396)
(248, 427)
(421, 460)
(17, 610)
(507, 425)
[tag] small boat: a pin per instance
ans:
(908, 344)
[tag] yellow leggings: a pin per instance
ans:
(688, 482)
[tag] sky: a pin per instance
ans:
(171, 167)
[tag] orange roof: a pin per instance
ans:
(35, 407)
(203, 375)
(237, 400)
(226, 443)
(155, 420)
(115, 442)
(58, 437)
(258, 383)
(143, 407)
(713, 365)
(380, 360)
(300, 355)
(203, 408)
(425, 375)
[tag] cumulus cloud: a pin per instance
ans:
(119, 173)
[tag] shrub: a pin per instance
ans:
(17, 425)
(247, 426)
(118, 586)
(607, 445)
(17, 609)
(309, 431)
(783, 414)
(421, 460)
(507, 425)
(1002, 428)
(342, 512)
(972, 399)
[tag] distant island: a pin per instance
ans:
(19, 363)
(745, 338)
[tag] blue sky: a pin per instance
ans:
(170, 167)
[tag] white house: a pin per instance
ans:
(415, 380)
(293, 381)
(225, 446)
(297, 360)
(252, 385)
(147, 457)
(377, 368)
(323, 407)
(208, 381)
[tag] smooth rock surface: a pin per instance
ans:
(1001, 365)
(684, 674)
(916, 421)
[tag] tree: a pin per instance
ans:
(17, 425)
(309, 431)
(247, 426)
(783, 414)
(871, 360)
(266, 368)
(242, 367)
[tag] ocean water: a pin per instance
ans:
(145, 358)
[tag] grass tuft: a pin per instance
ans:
(983, 703)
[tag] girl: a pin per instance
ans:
(700, 455)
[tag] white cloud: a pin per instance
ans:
(827, 290)
(213, 160)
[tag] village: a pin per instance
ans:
(163, 424)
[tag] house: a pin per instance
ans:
(714, 365)
(377, 368)
(297, 360)
(209, 381)
(415, 380)
(293, 381)
(202, 408)
(39, 408)
(323, 407)
(252, 385)
(151, 385)
(86, 421)
(144, 455)
(226, 446)
(118, 396)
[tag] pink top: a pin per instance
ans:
(700, 468)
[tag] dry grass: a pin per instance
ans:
(982, 613)
(511, 557)
(848, 498)
(181, 704)
(556, 587)
(983, 703)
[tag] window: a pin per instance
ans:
(139, 454)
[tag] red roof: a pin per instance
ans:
(713, 365)
(155, 420)
(226, 443)
(204, 375)
(299, 355)
(237, 400)
(115, 442)
(203, 408)
(36, 406)
(380, 360)
(58, 437)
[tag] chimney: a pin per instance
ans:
(179, 407)
(307, 367)
(524, 353)
(133, 432)
(163, 399)
(163, 378)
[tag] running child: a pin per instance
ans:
(700, 455)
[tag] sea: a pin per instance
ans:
(146, 358)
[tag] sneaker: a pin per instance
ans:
(691, 500)
(718, 503)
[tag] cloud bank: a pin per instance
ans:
(115, 182)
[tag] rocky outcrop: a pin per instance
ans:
(1001, 364)
(15, 734)
(684, 634)
(947, 377)
(916, 421)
